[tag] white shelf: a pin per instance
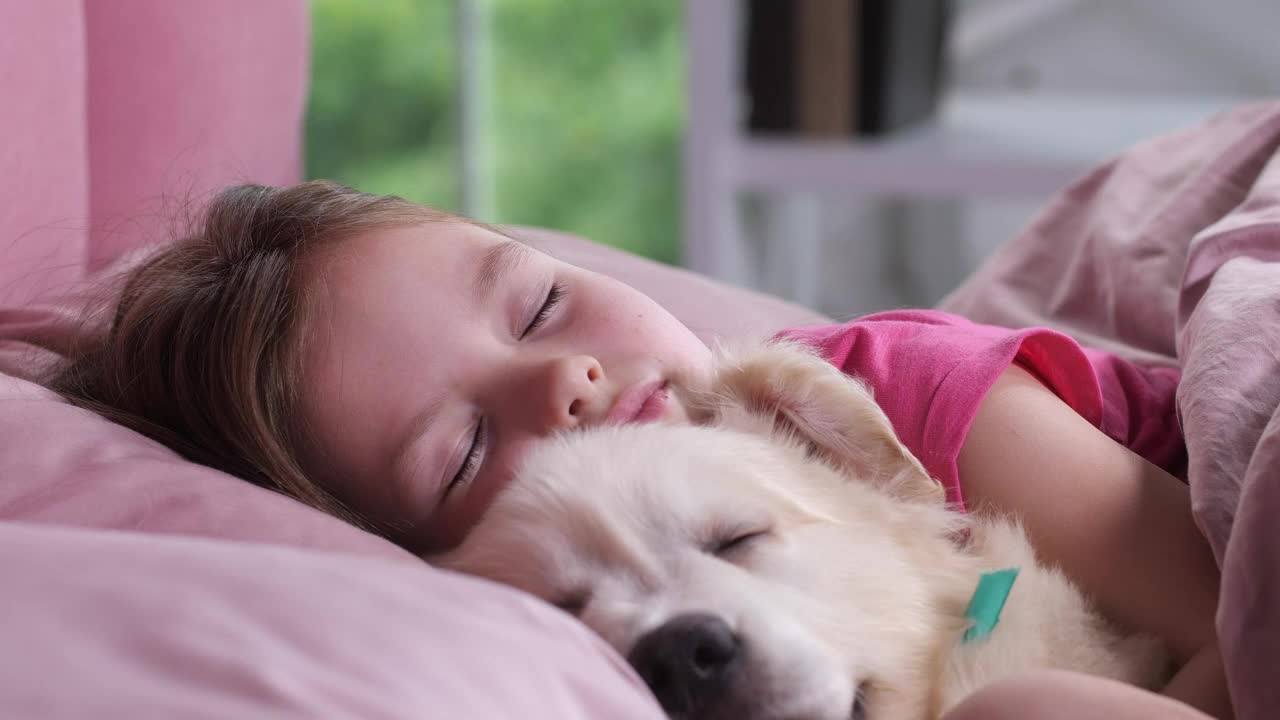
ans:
(978, 145)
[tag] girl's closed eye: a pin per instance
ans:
(554, 296)
(470, 462)
(479, 438)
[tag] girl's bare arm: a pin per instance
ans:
(1119, 526)
(1058, 695)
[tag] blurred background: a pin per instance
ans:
(581, 109)
(852, 155)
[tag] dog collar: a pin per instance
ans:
(988, 600)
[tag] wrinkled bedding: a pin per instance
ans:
(1170, 254)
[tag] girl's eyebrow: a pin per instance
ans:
(496, 263)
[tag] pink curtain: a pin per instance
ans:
(118, 114)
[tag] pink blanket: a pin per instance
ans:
(1171, 254)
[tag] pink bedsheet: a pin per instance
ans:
(1171, 254)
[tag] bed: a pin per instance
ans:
(136, 584)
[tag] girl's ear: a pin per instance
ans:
(786, 391)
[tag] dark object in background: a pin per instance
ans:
(843, 67)
(771, 61)
(901, 61)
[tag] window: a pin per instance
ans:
(582, 110)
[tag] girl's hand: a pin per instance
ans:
(1119, 526)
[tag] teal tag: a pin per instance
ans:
(987, 602)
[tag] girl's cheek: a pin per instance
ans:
(506, 462)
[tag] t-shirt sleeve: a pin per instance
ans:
(929, 371)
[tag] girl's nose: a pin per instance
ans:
(572, 393)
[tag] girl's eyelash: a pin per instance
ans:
(554, 296)
(469, 463)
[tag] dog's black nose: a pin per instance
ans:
(687, 661)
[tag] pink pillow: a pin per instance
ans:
(67, 466)
(42, 161)
(126, 625)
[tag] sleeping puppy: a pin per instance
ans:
(784, 558)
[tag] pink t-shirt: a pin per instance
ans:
(929, 370)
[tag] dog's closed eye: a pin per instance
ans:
(727, 544)
(574, 603)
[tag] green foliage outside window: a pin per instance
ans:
(587, 110)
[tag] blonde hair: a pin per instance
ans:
(203, 349)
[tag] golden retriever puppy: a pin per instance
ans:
(785, 558)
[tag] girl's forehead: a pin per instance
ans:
(426, 242)
(368, 289)
(379, 259)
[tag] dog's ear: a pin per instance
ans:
(784, 389)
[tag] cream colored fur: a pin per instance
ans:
(858, 585)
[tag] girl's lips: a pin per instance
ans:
(654, 407)
(642, 402)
